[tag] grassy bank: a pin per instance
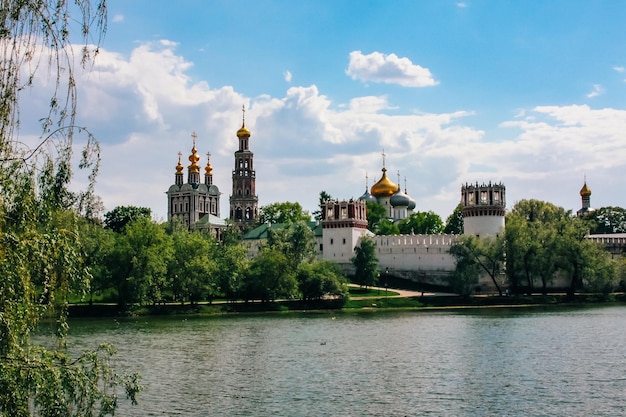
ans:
(371, 301)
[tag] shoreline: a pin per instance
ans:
(353, 305)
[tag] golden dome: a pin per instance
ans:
(585, 191)
(208, 170)
(384, 187)
(194, 158)
(243, 131)
(179, 167)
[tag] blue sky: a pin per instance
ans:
(531, 94)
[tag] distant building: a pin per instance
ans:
(398, 204)
(244, 203)
(585, 195)
(195, 204)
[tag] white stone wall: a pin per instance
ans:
(415, 252)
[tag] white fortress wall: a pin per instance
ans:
(415, 252)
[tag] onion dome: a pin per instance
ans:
(194, 158)
(399, 199)
(208, 170)
(585, 191)
(179, 167)
(243, 131)
(368, 198)
(412, 202)
(384, 187)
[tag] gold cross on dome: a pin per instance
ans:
(194, 136)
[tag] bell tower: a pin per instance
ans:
(244, 210)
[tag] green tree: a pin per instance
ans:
(324, 198)
(139, 262)
(286, 212)
(454, 222)
(607, 220)
(375, 213)
(421, 222)
(193, 265)
(319, 279)
(386, 227)
(486, 253)
(267, 279)
(41, 255)
(232, 264)
(120, 216)
(97, 246)
(365, 262)
(295, 240)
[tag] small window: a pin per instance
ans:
(331, 241)
(344, 240)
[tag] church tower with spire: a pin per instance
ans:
(244, 202)
(585, 195)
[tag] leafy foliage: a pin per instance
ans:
(365, 263)
(375, 214)
(421, 223)
(41, 252)
(120, 216)
(324, 198)
(454, 222)
(319, 279)
(286, 212)
(607, 220)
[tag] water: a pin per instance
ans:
(512, 363)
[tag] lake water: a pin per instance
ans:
(477, 363)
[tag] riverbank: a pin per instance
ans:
(393, 300)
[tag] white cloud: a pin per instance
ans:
(597, 90)
(461, 5)
(287, 76)
(118, 18)
(619, 69)
(143, 108)
(389, 69)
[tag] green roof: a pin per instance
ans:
(261, 232)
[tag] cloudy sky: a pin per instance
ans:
(531, 94)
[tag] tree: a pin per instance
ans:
(286, 212)
(454, 222)
(386, 227)
(267, 279)
(365, 262)
(231, 267)
(485, 254)
(295, 240)
(120, 216)
(375, 213)
(319, 279)
(97, 246)
(421, 223)
(607, 220)
(139, 262)
(193, 265)
(41, 258)
(324, 198)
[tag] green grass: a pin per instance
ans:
(369, 292)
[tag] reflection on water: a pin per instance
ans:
(566, 363)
